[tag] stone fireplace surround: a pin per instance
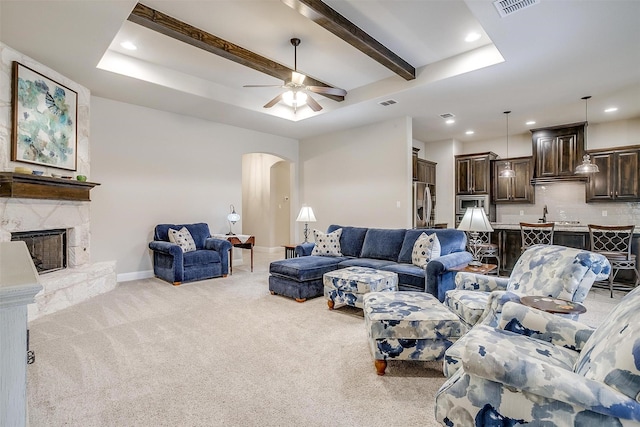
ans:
(82, 279)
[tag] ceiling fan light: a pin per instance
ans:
(294, 98)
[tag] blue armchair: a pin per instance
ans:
(170, 263)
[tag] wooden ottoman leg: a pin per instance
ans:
(301, 299)
(330, 303)
(272, 293)
(380, 365)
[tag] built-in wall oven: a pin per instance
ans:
(472, 201)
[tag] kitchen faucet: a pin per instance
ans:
(544, 214)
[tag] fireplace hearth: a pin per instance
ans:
(48, 248)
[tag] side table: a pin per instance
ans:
(480, 269)
(289, 251)
(242, 241)
(553, 305)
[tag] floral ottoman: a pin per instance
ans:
(348, 285)
(408, 326)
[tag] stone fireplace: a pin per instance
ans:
(61, 208)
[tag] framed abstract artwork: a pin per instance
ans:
(45, 114)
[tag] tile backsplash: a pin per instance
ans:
(565, 201)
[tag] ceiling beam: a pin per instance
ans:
(331, 20)
(174, 28)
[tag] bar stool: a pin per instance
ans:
(614, 242)
(486, 249)
(536, 234)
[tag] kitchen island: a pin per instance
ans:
(573, 235)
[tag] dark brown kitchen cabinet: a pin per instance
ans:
(619, 176)
(473, 173)
(557, 150)
(517, 189)
(423, 170)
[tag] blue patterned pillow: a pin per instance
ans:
(327, 244)
(426, 248)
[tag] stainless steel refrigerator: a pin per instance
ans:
(424, 203)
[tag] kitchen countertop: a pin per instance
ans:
(579, 228)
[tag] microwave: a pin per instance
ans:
(472, 201)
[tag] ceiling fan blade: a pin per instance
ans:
(313, 104)
(262, 86)
(273, 102)
(327, 90)
(297, 78)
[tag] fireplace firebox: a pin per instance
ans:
(48, 248)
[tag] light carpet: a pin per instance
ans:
(223, 352)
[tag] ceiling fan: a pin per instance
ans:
(297, 94)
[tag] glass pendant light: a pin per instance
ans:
(507, 172)
(586, 167)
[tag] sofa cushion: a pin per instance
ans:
(378, 264)
(383, 243)
(305, 268)
(327, 244)
(201, 257)
(426, 248)
(351, 239)
(182, 238)
(408, 274)
(612, 354)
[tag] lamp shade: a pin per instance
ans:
(475, 219)
(306, 215)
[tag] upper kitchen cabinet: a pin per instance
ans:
(473, 173)
(557, 151)
(423, 170)
(517, 189)
(619, 176)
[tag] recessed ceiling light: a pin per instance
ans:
(450, 121)
(469, 132)
(530, 122)
(611, 109)
(129, 45)
(471, 37)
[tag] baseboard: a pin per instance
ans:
(136, 275)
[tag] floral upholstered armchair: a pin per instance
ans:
(542, 270)
(537, 368)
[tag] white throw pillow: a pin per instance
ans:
(426, 248)
(183, 239)
(327, 244)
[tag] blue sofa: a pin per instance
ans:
(210, 259)
(382, 249)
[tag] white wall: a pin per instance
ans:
(158, 167)
(358, 176)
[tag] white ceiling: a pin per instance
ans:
(537, 62)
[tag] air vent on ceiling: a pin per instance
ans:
(447, 116)
(507, 7)
(388, 102)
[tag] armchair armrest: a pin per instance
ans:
(219, 245)
(544, 326)
(166, 247)
(480, 282)
(497, 356)
(304, 249)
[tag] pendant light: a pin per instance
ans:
(507, 172)
(586, 167)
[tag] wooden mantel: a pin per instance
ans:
(43, 187)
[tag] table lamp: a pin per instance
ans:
(233, 217)
(474, 222)
(306, 215)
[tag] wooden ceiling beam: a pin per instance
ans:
(331, 20)
(174, 28)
